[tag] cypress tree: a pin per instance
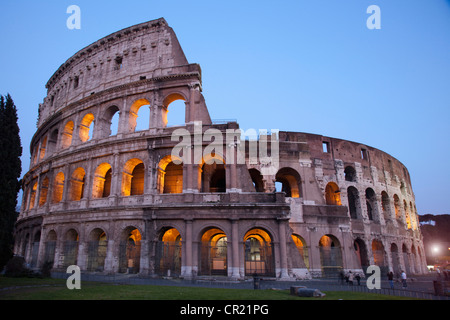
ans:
(10, 171)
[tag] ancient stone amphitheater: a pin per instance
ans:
(118, 201)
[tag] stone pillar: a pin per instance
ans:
(235, 249)
(186, 270)
(283, 251)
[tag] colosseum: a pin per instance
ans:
(120, 201)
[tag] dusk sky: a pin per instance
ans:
(307, 66)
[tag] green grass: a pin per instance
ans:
(55, 289)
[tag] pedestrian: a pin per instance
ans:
(358, 279)
(404, 285)
(391, 279)
(341, 277)
(350, 278)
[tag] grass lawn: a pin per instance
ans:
(55, 289)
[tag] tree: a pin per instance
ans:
(10, 171)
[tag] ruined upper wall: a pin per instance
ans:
(143, 51)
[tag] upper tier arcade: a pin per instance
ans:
(145, 51)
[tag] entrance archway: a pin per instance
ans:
(213, 252)
(330, 255)
(168, 253)
(130, 251)
(259, 257)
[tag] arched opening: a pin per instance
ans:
(361, 253)
(77, 183)
(406, 261)
(350, 174)
(102, 181)
(44, 192)
(371, 204)
(213, 252)
(302, 248)
(395, 259)
(97, 248)
(259, 256)
(70, 248)
(133, 178)
(330, 256)
(67, 134)
(168, 253)
(174, 112)
(58, 188)
(130, 251)
(52, 142)
(290, 182)
(33, 196)
(50, 248)
(43, 148)
(332, 194)
(110, 121)
(379, 255)
(257, 180)
(385, 205)
(407, 216)
(354, 205)
(170, 175)
(35, 249)
(87, 127)
(139, 116)
(213, 174)
(398, 216)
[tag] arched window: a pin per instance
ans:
(139, 118)
(290, 182)
(350, 174)
(102, 181)
(257, 180)
(110, 122)
(33, 196)
(43, 192)
(371, 203)
(397, 208)
(170, 175)
(332, 194)
(58, 188)
(133, 178)
(66, 138)
(174, 113)
(213, 174)
(77, 183)
(385, 205)
(354, 204)
(87, 127)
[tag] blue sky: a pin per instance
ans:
(307, 66)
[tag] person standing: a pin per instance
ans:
(404, 285)
(391, 279)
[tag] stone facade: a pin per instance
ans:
(118, 202)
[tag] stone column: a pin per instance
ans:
(235, 249)
(186, 270)
(283, 250)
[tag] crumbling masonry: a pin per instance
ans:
(118, 202)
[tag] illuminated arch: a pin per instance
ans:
(133, 178)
